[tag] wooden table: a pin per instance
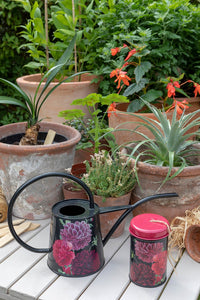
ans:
(24, 275)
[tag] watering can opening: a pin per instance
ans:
(72, 210)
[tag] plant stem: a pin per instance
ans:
(75, 50)
(46, 30)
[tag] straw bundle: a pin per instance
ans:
(179, 226)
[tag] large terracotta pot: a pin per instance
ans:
(186, 185)
(119, 119)
(19, 163)
(61, 97)
(107, 220)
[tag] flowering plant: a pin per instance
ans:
(136, 84)
(97, 115)
(109, 176)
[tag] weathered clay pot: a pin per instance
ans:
(186, 185)
(192, 242)
(119, 119)
(19, 163)
(71, 193)
(61, 98)
(107, 220)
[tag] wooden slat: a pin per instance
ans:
(113, 279)
(20, 261)
(34, 282)
(71, 288)
(185, 281)
(14, 245)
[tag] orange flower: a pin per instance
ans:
(197, 89)
(115, 73)
(121, 76)
(180, 106)
(131, 53)
(114, 51)
(124, 78)
(111, 108)
(171, 88)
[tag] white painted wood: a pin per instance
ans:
(71, 288)
(20, 261)
(13, 245)
(113, 279)
(185, 281)
(34, 282)
(146, 293)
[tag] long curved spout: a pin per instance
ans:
(129, 208)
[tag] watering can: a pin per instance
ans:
(76, 245)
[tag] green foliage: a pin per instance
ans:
(33, 106)
(11, 59)
(172, 25)
(171, 143)
(94, 102)
(63, 26)
(109, 176)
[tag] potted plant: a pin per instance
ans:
(21, 162)
(111, 180)
(98, 106)
(168, 162)
(46, 41)
(138, 88)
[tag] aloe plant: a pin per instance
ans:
(171, 144)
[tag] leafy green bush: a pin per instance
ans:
(11, 59)
(171, 25)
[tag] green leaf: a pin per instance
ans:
(135, 88)
(12, 101)
(71, 114)
(135, 105)
(141, 69)
(152, 95)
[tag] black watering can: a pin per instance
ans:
(76, 245)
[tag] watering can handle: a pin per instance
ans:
(27, 183)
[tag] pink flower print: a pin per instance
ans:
(146, 251)
(159, 263)
(78, 234)
(62, 253)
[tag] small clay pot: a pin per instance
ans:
(192, 242)
(71, 193)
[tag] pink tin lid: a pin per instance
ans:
(149, 227)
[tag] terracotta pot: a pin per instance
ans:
(121, 120)
(70, 193)
(186, 185)
(107, 220)
(19, 163)
(192, 242)
(61, 97)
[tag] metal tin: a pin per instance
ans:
(148, 252)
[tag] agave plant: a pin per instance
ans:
(172, 143)
(33, 106)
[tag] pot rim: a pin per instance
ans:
(70, 133)
(33, 79)
(162, 171)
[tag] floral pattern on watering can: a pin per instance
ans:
(75, 252)
(148, 262)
